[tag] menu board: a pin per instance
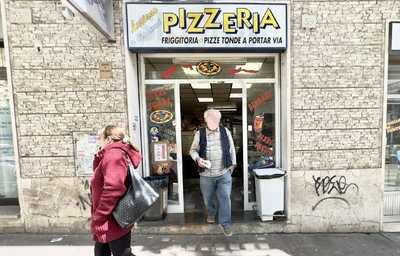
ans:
(85, 147)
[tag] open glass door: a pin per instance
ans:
(162, 136)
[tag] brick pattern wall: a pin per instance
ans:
(337, 107)
(58, 91)
(337, 103)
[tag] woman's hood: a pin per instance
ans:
(129, 149)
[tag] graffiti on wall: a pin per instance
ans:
(84, 201)
(325, 186)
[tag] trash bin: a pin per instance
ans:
(158, 210)
(270, 191)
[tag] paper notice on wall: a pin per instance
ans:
(85, 145)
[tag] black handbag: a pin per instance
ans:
(139, 197)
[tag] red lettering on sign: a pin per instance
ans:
(260, 100)
(166, 74)
(264, 149)
(234, 71)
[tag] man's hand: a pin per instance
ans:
(200, 162)
(232, 168)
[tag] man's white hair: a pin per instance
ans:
(212, 113)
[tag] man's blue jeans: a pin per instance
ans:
(218, 188)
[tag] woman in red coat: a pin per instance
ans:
(107, 187)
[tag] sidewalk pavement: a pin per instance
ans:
(326, 244)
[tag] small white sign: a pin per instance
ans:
(395, 37)
(169, 26)
(160, 152)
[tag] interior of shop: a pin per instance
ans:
(392, 156)
(177, 91)
(195, 98)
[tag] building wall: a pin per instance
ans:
(337, 109)
(337, 82)
(58, 91)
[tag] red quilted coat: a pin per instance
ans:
(108, 186)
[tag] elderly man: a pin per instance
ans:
(214, 152)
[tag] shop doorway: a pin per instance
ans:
(196, 98)
(175, 91)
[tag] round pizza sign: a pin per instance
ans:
(161, 116)
(208, 68)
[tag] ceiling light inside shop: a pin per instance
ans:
(239, 86)
(219, 60)
(201, 86)
(206, 99)
(213, 106)
(228, 110)
(253, 66)
(236, 95)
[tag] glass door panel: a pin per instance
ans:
(8, 179)
(162, 136)
(261, 130)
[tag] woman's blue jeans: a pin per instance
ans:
(218, 188)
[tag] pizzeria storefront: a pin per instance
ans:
(187, 58)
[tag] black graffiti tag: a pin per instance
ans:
(85, 198)
(328, 184)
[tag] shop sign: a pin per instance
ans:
(99, 13)
(161, 116)
(395, 43)
(171, 26)
(208, 68)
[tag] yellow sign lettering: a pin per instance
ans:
(194, 27)
(182, 19)
(213, 14)
(269, 19)
(256, 19)
(243, 17)
(169, 20)
(229, 23)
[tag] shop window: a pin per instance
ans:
(8, 181)
(392, 155)
(177, 90)
(182, 68)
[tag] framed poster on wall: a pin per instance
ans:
(85, 147)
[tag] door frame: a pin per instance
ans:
(179, 208)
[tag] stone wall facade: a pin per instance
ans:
(58, 91)
(337, 85)
(337, 109)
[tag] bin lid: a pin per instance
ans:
(269, 173)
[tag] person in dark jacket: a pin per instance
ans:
(214, 152)
(108, 186)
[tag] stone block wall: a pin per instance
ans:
(337, 77)
(58, 91)
(337, 109)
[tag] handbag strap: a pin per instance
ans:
(128, 180)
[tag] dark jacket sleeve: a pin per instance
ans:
(114, 170)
